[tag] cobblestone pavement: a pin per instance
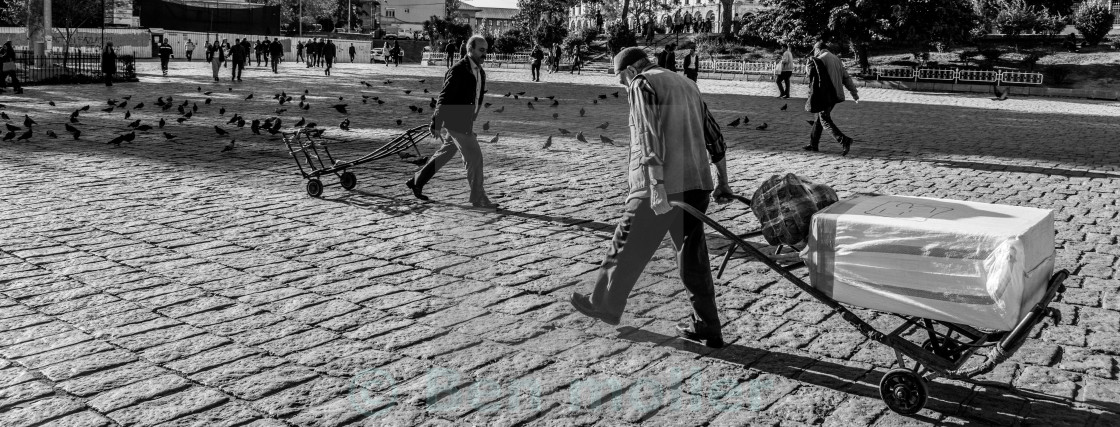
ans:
(171, 283)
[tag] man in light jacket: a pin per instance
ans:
(827, 80)
(669, 162)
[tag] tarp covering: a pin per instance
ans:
(215, 17)
(977, 264)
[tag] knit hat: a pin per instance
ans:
(628, 57)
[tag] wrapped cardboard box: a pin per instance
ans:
(977, 264)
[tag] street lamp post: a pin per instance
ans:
(300, 22)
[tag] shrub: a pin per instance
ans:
(1030, 60)
(990, 54)
(1094, 20)
(1055, 75)
(510, 41)
(620, 37)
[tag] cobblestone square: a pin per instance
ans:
(179, 282)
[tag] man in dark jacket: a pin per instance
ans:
(827, 80)
(238, 55)
(353, 51)
(691, 64)
(258, 51)
(451, 49)
(329, 53)
(537, 56)
(108, 65)
(456, 110)
(276, 53)
(164, 55)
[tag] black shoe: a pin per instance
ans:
(583, 305)
(416, 190)
(486, 205)
(810, 148)
(847, 144)
(690, 332)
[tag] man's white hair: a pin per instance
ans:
(474, 39)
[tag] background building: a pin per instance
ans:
(495, 19)
(582, 15)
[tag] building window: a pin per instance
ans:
(390, 13)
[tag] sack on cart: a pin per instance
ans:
(784, 206)
(978, 264)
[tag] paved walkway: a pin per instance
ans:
(169, 282)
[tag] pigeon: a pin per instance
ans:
(521, 93)
(595, 101)
(433, 103)
(734, 123)
(51, 103)
(129, 137)
(117, 141)
(181, 120)
(507, 94)
(73, 119)
(503, 108)
(28, 122)
(580, 138)
(547, 143)
(220, 131)
(138, 106)
(380, 102)
(341, 108)
(207, 93)
(406, 92)
(420, 110)
(302, 98)
(405, 154)
(134, 124)
(535, 99)
(388, 82)
(233, 119)
(301, 122)
(281, 110)
(230, 146)
(11, 127)
(306, 106)
(127, 97)
(309, 125)
(515, 97)
(127, 115)
(746, 119)
(168, 136)
(421, 81)
(240, 122)
(345, 125)
(582, 112)
(762, 126)
(564, 131)
(107, 110)
(4, 115)
(249, 97)
(399, 122)
(487, 104)
(412, 107)
(222, 111)
(603, 126)
(1001, 95)
(602, 96)
(122, 105)
(784, 107)
(8, 136)
(51, 134)
(606, 140)
(26, 135)
(555, 115)
(530, 104)
(162, 122)
(194, 107)
(615, 94)
(340, 98)
(160, 102)
(73, 130)
(256, 126)
(555, 104)
(426, 90)
(84, 108)
(144, 128)
(495, 138)
(486, 126)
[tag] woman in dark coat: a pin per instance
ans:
(8, 58)
(108, 63)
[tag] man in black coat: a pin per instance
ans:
(451, 49)
(276, 52)
(239, 56)
(165, 53)
(329, 53)
(456, 110)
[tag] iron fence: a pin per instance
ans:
(59, 67)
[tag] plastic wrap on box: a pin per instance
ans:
(977, 264)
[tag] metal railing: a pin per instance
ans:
(957, 75)
(57, 66)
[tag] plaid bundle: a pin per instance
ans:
(785, 205)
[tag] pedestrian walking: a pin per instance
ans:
(225, 51)
(450, 51)
(598, 21)
(10, 68)
(387, 53)
(209, 53)
(783, 69)
(108, 64)
(557, 52)
(537, 55)
(190, 50)
(238, 57)
(827, 80)
(669, 162)
(217, 57)
(577, 61)
(353, 51)
(266, 49)
(277, 54)
(456, 110)
(257, 52)
(299, 51)
(691, 63)
(165, 53)
(329, 55)
(398, 54)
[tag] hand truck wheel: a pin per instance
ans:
(314, 187)
(348, 180)
(903, 391)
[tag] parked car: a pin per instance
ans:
(378, 54)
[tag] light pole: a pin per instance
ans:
(349, 11)
(300, 22)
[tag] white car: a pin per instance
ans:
(378, 54)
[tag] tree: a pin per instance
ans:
(859, 24)
(1016, 17)
(450, 7)
(725, 26)
(312, 9)
(1094, 20)
(921, 23)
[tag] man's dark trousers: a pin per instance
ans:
(466, 143)
(824, 120)
(235, 70)
(638, 236)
